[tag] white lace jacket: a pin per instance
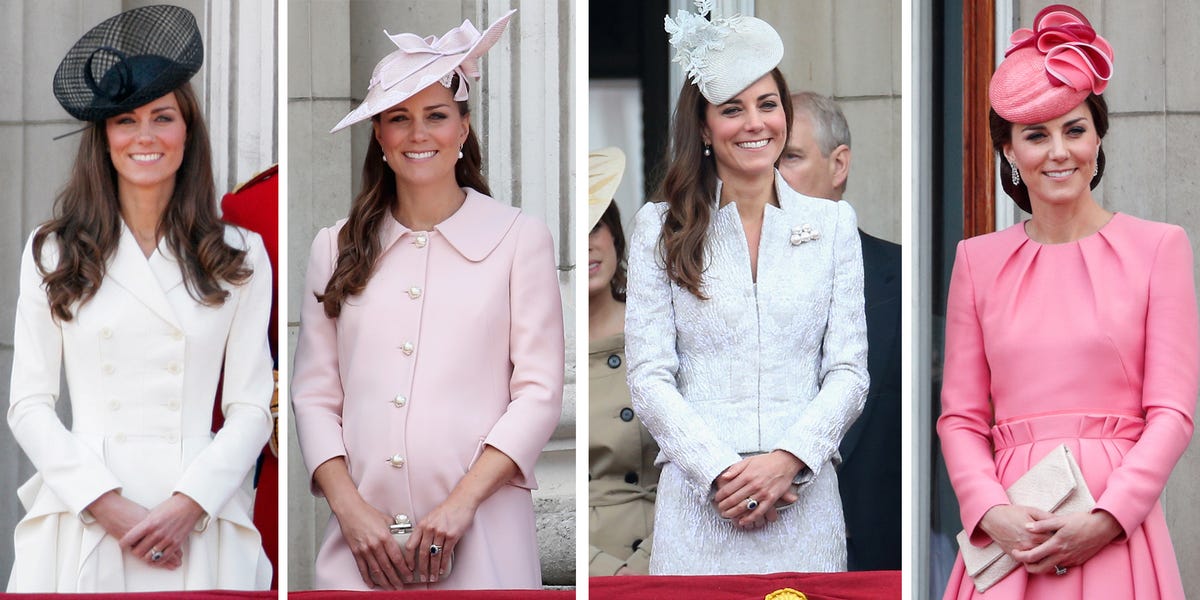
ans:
(781, 364)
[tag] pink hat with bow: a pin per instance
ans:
(1049, 70)
(420, 62)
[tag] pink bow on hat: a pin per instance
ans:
(456, 41)
(1075, 55)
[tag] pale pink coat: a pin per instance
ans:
(456, 342)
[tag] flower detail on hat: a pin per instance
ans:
(1075, 55)
(694, 36)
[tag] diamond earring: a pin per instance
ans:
(1016, 175)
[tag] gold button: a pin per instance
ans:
(177, 335)
(396, 461)
(399, 401)
(108, 369)
(408, 348)
(173, 368)
(106, 332)
(421, 240)
(414, 292)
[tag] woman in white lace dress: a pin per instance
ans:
(745, 331)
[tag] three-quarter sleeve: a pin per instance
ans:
(685, 439)
(1169, 388)
(966, 420)
(317, 393)
(815, 436)
(536, 349)
(218, 471)
(72, 469)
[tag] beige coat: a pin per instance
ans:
(622, 478)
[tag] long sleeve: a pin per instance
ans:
(75, 473)
(815, 436)
(653, 362)
(536, 349)
(316, 381)
(1168, 390)
(966, 420)
(217, 472)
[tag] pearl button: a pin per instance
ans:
(399, 401)
(396, 461)
(414, 292)
(173, 368)
(408, 348)
(114, 405)
(106, 332)
(108, 369)
(119, 438)
(173, 404)
(172, 438)
(177, 335)
(421, 240)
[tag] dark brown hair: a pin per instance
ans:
(612, 220)
(87, 221)
(358, 240)
(1001, 130)
(689, 185)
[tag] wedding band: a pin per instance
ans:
(1060, 570)
(434, 549)
(155, 555)
(751, 504)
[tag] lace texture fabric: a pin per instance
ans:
(775, 364)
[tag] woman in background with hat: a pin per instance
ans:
(745, 328)
(429, 368)
(1076, 327)
(138, 289)
(622, 476)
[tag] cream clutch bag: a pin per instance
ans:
(402, 529)
(1055, 484)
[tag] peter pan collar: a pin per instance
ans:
(474, 230)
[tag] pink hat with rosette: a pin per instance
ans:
(420, 62)
(1050, 69)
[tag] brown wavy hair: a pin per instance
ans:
(87, 221)
(1001, 130)
(689, 185)
(358, 240)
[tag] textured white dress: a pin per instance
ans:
(777, 364)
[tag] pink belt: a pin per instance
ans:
(1075, 426)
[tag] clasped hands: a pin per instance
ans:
(161, 531)
(765, 478)
(384, 563)
(1042, 541)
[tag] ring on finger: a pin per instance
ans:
(751, 503)
(434, 549)
(1060, 570)
(155, 555)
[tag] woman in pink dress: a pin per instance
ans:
(1078, 326)
(429, 368)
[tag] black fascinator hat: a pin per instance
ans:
(129, 60)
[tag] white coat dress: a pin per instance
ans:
(143, 360)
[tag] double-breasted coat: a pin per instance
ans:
(142, 360)
(455, 343)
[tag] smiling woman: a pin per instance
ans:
(733, 263)
(139, 291)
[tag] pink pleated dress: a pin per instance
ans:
(1092, 343)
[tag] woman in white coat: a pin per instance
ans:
(745, 333)
(143, 295)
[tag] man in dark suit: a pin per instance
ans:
(816, 162)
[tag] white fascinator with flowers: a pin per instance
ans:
(723, 56)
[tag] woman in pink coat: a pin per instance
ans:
(429, 369)
(1078, 326)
